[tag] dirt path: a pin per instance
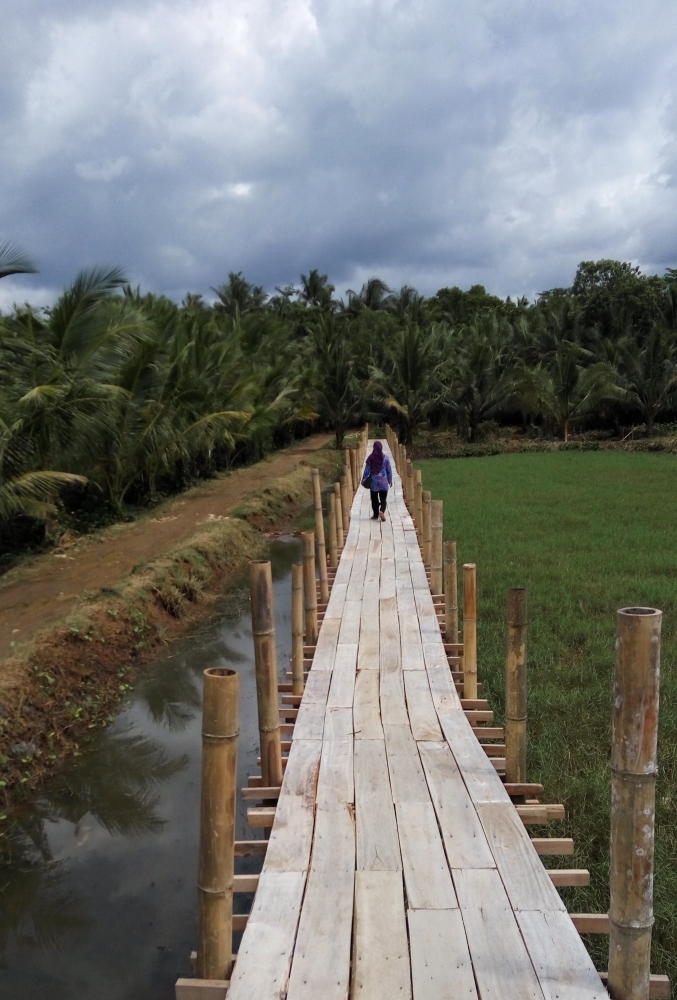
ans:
(43, 590)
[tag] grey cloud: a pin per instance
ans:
(431, 142)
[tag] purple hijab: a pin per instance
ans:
(375, 460)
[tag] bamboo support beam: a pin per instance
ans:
(263, 629)
(516, 687)
(217, 823)
(319, 537)
(469, 630)
(436, 577)
(450, 593)
(427, 547)
(633, 798)
(418, 505)
(346, 503)
(297, 629)
(347, 465)
(331, 528)
(410, 485)
(309, 586)
(339, 516)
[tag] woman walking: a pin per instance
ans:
(378, 477)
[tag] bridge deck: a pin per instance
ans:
(397, 865)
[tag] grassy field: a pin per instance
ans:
(586, 533)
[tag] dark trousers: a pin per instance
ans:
(377, 497)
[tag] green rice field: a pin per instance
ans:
(586, 533)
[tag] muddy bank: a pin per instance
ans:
(58, 689)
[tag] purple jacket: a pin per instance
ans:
(381, 480)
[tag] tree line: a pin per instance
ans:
(112, 397)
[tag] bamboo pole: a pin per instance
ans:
(355, 475)
(403, 469)
(309, 586)
(339, 515)
(436, 578)
(469, 630)
(450, 593)
(297, 628)
(346, 503)
(319, 537)
(347, 465)
(410, 486)
(333, 556)
(427, 548)
(418, 505)
(216, 864)
(516, 686)
(265, 657)
(633, 797)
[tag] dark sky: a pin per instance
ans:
(431, 142)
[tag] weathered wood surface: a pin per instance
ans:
(394, 834)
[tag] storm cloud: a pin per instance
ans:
(431, 142)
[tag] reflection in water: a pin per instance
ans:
(97, 875)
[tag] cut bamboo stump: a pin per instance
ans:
(217, 823)
(309, 586)
(436, 575)
(265, 657)
(516, 687)
(427, 547)
(339, 516)
(633, 795)
(331, 528)
(450, 592)
(319, 537)
(469, 630)
(418, 505)
(297, 629)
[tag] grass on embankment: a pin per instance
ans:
(66, 681)
(586, 533)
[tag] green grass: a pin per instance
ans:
(586, 533)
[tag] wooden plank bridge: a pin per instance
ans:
(397, 863)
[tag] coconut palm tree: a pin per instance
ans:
(14, 261)
(649, 373)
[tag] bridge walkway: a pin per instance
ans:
(397, 865)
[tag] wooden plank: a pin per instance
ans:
(309, 721)
(422, 715)
(412, 650)
(561, 960)
(343, 677)
(292, 834)
(568, 876)
(393, 708)
(427, 618)
(338, 596)
(591, 923)
(378, 846)
(477, 770)
(381, 968)
(440, 960)
(201, 989)
(366, 706)
(264, 956)
(426, 873)
(247, 848)
(524, 877)
(325, 649)
(501, 963)
(464, 839)
(368, 652)
(549, 846)
(387, 588)
(321, 963)
(317, 686)
(407, 780)
(336, 763)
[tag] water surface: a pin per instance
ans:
(98, 875)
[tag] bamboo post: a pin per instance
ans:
(516, 687)
(347, 463)
(355, 475)
(309, 586)
(339, 515)
(418, 505)
(633, 797)
(427, 548)
(436, 579)
(297, 628)
(403, 468)
(410, 486)
(469, 630)
(333, 556)
(345, 503)
(319, 537)
(216, 864)
(450, 593)
(265, 657)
